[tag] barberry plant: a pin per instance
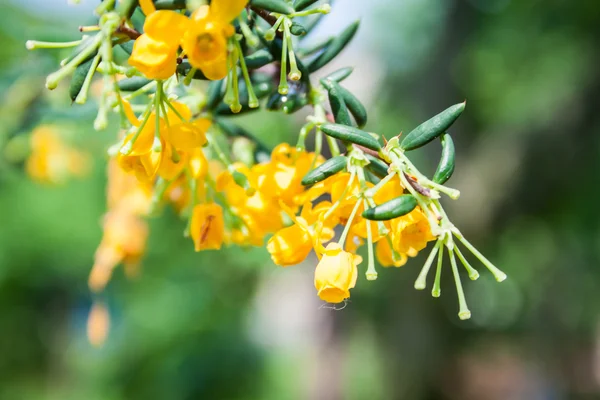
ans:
(194, 64)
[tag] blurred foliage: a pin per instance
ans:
(528, 167)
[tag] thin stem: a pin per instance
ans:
(283, 86)
(295, 73)
(349, 224)
(252, 99)
(342, 196)
(437, 290)
(463, 312)
(83, 92)
(421, 282)
(473, 274)
(498, 274)
(371, 272)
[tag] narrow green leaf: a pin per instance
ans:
(325, 170)
(278, 6)
(79, 78)
(127, 46)
(336, 100)
(214, 93)
(170, 4)
(337, 45)
(185, 67)
(391, 209)
(358, 111)
(351, 134)
(445, 168)
(315, 48)
(432, 128)
(258, 59)
(300, 5)
(340, 74)
(132, 84)
(377, 166)
(297, 29)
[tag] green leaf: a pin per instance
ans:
(316, 47)
(214, 94)
(358, 111)
(325, 170)
(335, 47)
(79, 78)
(391, 209)
(340, 74)
(185, 67)
(170, 4)
(258, 59)
(351, 134)
(377, 166)
(297, 29)
(432, 128)
(127, 46)
(445, 168)
(336, 100)
(132, 84)
(278, 6)
(300, 5)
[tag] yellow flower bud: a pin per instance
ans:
(289, 246)
(336, 274)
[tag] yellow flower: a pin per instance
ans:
(384, 255)
(205, 41)
(207, 227)
(411, 232)
(98, 324)
(336, 274)
(51, 160)
(155, 52)
(289, 246)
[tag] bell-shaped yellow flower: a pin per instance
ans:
(411, 232)
(155, 52)
(207, 229)
(336, 274)
(384, 255)
(289, 246)
(52, 160)
(205, 41)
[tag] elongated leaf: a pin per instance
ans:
(127, 47)
(300, 5)
(445, 168)
(336, 100)
(432, 128)
(351, 134)
(278, 6)
(185, 67)
(258, 59)
(132, 84)
(391, 209)
(297, 29)
(377, 166)
(325, 170)
(170, 4)
(340, 74)
(358, 111)
(214, 94)
(79, 78)
(335, 47)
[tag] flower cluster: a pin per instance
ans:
(190, 67)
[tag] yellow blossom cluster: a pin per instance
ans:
(202, 36)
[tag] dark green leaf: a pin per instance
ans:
(258, 59)
(356, 108)
(445, 168)
(185, 67)
(377, 166)
(336, 100)
(391, 209)
(297, 29)
(432, 128)
(132, 84)
(315, 48)
(127, 46)
(300, 5)
(340, 74)
(278, 6)
(337, 45)
(214, 94)
(351, 134)
(325, 170)
(79, 78)
(170, 4)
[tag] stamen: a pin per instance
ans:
(421, 282)
(498, 274)
(463, 312)
(371, 272)
(473, 274)
(437, 290)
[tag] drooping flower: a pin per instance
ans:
(411, 232)
(52, 160)
(207, 228)
(385, 256)
(205, 41)
(336, 274)
(155, 52)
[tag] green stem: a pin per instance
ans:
(463, 312)
(421, 282)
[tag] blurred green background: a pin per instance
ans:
(231, 325)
